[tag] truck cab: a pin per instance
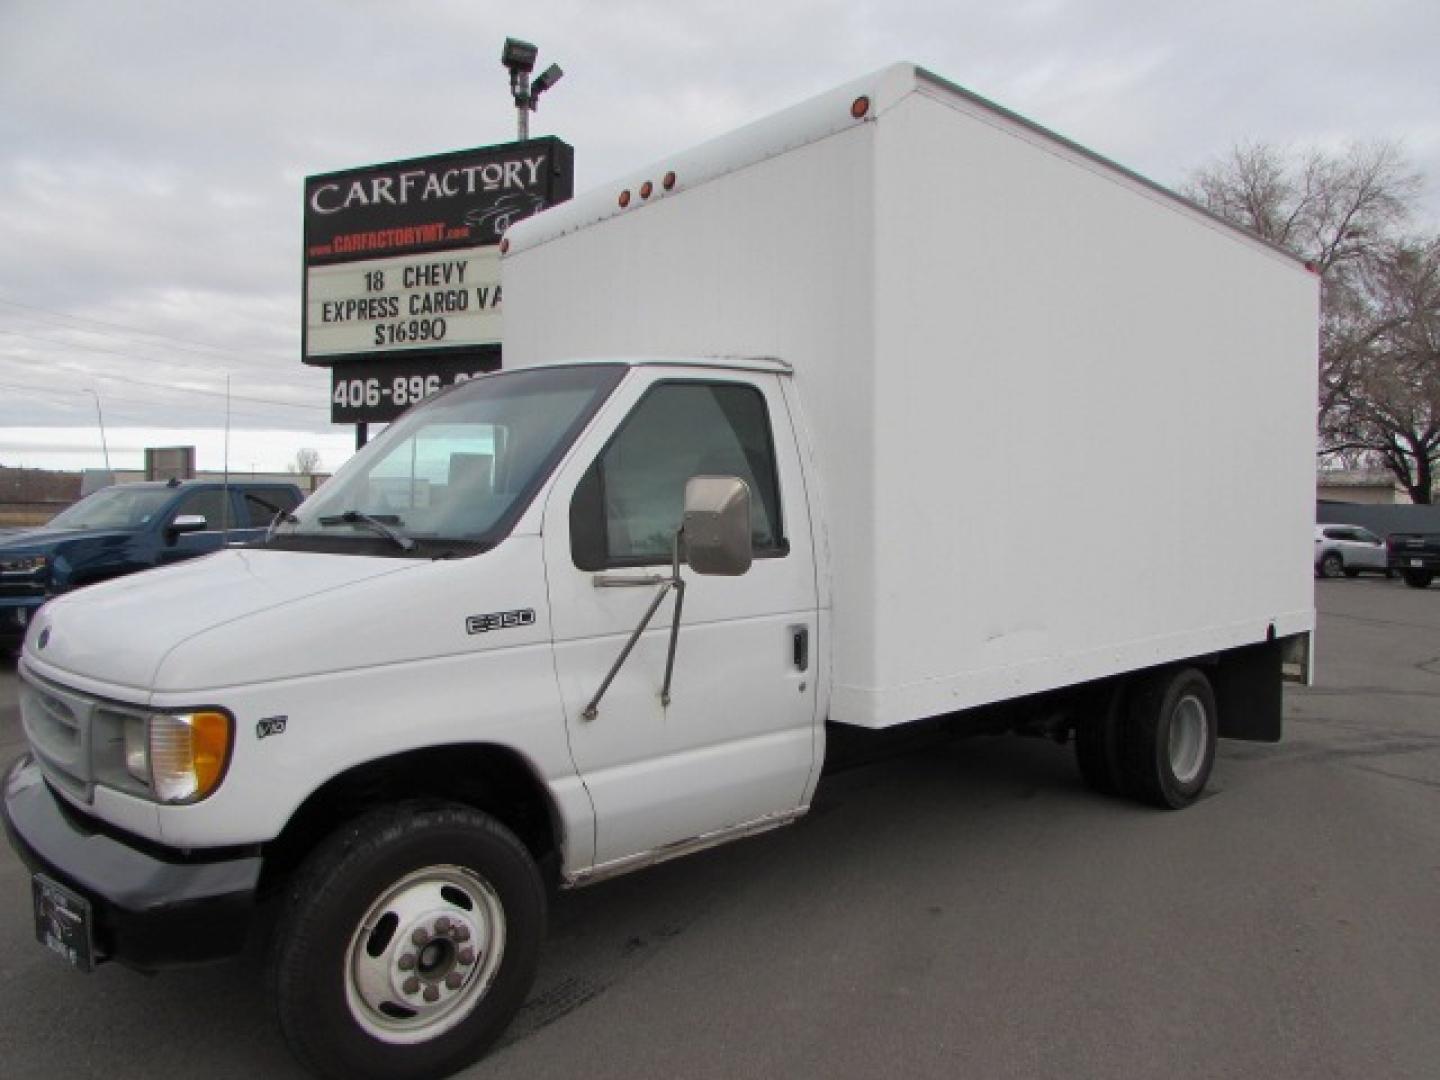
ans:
(463, 617)
(124, 528)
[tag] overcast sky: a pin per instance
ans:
(152, 153)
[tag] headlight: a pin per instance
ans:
(180, 757)
(24, 564)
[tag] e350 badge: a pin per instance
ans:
(499, 620)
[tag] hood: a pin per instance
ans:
(43, 540)
(120, 631)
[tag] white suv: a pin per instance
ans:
(1348, 550)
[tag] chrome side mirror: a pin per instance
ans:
(717, 525)
(188, 523)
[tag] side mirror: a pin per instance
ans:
(187, 523)
(717, 525)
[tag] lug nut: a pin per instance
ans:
(453, 980)
(442, 924)
(462, 932)
(407, 962)
(412, 985)
(467, 956)
(432, 993)
(420, 936)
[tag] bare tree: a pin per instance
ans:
(307, 462)
(1331, 209)
(1390, 412)
(1344, 213)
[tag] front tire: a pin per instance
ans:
(1170, 733)
(407, 942)
(1331, 565)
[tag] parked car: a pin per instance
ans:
(1415, 557)
(1348, 550)
(125, 528)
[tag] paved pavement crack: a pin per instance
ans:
(1422, 781)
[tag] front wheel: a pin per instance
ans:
(1419, 579)
(1331, 565)
(407, 942)
(1170, 734)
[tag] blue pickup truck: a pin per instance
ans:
(125, 528)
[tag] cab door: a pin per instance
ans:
(736, 743)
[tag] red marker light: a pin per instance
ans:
(646, 189)
(504, 245)
(859, 107)
(624, 198)
(669, 181)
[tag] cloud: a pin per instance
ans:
(153, 155)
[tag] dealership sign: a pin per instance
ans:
(401, 260)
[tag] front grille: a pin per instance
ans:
(68, 730)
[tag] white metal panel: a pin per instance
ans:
(1096, 422)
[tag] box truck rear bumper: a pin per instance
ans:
(149, 908)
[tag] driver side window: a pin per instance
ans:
(629, 503)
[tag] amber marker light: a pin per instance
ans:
(188, 754)
(859, 107)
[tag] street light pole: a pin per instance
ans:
(104, 446)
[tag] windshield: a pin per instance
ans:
(461, 468)
(114, 508)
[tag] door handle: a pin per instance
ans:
(800, 647)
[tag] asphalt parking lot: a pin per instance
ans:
(970, 912)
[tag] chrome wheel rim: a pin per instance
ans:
(1188, 736)
(424, 954)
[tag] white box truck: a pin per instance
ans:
(890, 408)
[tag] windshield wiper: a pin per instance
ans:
(380, 524)
(282, 517)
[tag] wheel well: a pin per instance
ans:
(490, 778)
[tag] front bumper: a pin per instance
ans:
(154, 907)
(16, 614)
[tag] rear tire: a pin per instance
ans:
(1331, 565)
(1419, 579)
(406, 943)
(1098, 736)
(1171, 726)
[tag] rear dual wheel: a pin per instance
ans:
(1154, 740)
(1419, 579)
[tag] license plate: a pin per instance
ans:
(1417, 562)
(63, 922)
